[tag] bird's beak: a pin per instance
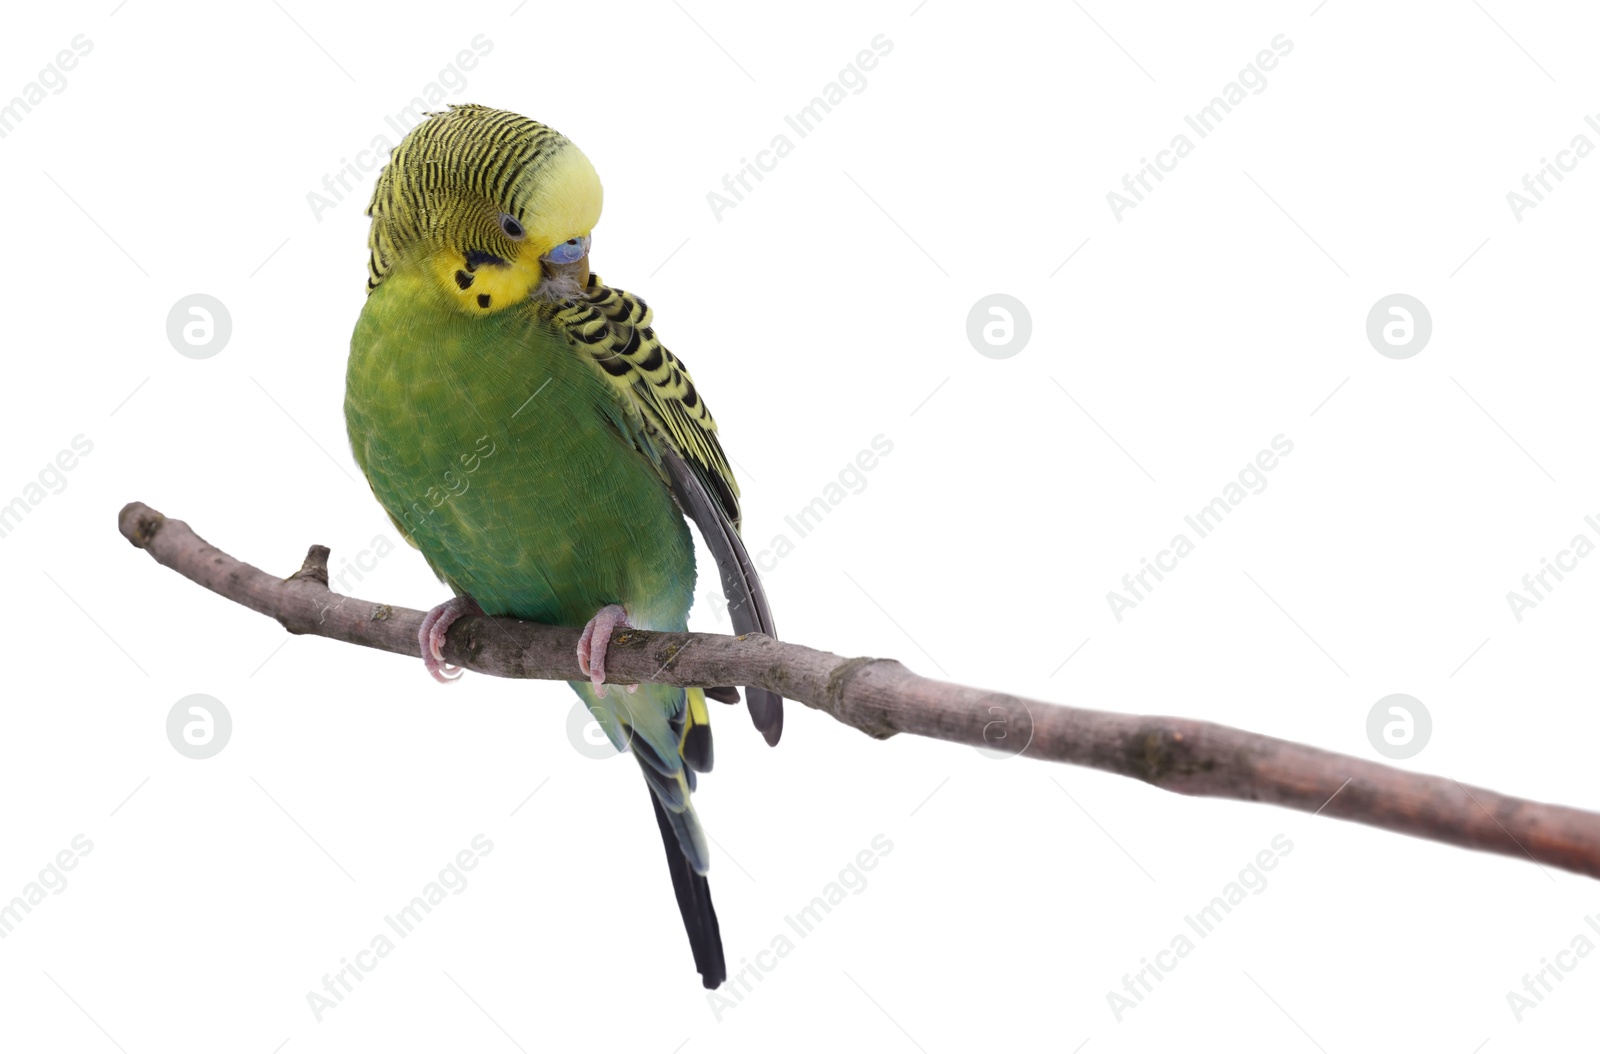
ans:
(573, 275)
(567, 265)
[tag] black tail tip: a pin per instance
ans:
(694, 904)
(766, 712)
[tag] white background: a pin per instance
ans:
(829, 307)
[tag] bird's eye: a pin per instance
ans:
(570, 251)
(512, 229)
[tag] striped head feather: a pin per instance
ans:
(496, 207)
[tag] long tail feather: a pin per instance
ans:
(747, 601)
(694, 903)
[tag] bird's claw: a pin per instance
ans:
(592, 645)
(431, 636)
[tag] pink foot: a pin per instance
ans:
(430, 638)
(594, 642)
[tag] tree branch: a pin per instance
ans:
(881, 697)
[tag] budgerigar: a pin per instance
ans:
(526, 429)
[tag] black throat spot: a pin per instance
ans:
(477, 258)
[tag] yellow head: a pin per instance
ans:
(497, 208)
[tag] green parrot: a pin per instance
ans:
(525, 429)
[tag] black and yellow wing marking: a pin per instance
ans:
(613, 328)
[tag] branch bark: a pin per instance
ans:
(881, 697)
